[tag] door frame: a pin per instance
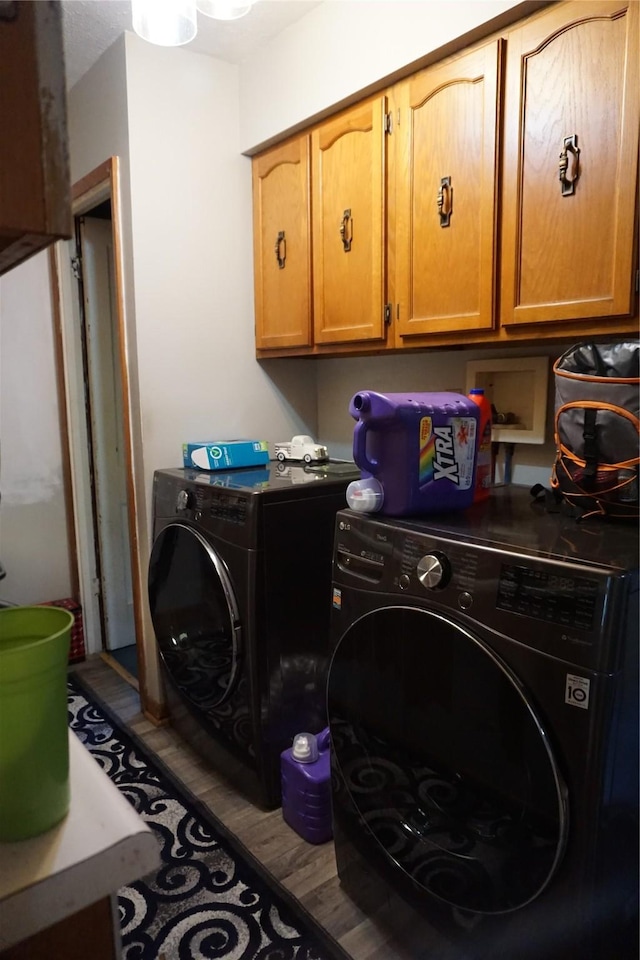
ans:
(102, 183)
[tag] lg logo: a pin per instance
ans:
(576, 692)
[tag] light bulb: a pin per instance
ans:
(168, 23)
(224, 9)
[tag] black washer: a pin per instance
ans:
(484, 724)
(239, 594)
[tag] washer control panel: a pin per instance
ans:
(557, 596)
(185, 500)
(207, 503)
(230, 508)
(433, 571)
(550, 604)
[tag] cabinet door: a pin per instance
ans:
(349, 213)
(282, 246)
(446, 195)
(35, 187)
(572, 85)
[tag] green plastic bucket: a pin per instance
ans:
(34, 739)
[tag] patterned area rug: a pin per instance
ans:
(210, 899)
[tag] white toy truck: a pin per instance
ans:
(301, 447)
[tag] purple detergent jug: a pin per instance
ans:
(416, 452)
(306, 786)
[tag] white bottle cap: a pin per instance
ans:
(305, 747)
(365, 496)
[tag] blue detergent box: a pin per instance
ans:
(225, 454)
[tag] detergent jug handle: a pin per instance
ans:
(324, 740)
(360, 448)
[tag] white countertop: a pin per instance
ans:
(101, 845)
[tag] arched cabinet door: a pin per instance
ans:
(348, 163)
(443, 762)
(572, 102)
(446, 195)
(282, 246)
(195, 617)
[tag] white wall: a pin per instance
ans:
(172, 117)
(34, 547)
(193, 268)
(340, 48)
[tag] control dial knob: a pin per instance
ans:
(184, 500)
(434, 570)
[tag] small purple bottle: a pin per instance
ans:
(306, 786)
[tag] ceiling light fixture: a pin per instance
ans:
(224, 9)
(172, 23)
(168, 23)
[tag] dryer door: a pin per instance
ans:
(195, 616)
(442, 762)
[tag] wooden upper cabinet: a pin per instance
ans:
(446, 195)
(349, 225)
(35, 187)
(282, 246)
(570, 164)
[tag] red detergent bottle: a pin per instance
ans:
(483, 455)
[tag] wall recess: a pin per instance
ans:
(517, 387)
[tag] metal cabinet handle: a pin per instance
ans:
(568, 185)
(346, 230)
(281, 249)
(445, 201)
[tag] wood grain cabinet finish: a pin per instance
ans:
(490, 198)
(568, 244)
(282, 246)
(349, 225)
(446, 195)
(35, 190)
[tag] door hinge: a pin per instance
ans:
(388, 123)
(76, 267)
(387, 313)
(637, 281)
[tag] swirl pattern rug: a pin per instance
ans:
(210, 899)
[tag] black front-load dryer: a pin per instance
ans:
(483, 706)
(239, 594)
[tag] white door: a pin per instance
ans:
(107, 442)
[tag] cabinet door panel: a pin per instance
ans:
(349, 225)
(573, 71)
(448, 132)
(282, 248)
(35, 185)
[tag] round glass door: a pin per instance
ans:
(195, 616)
(444, 759)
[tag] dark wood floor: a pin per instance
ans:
(308, 871)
